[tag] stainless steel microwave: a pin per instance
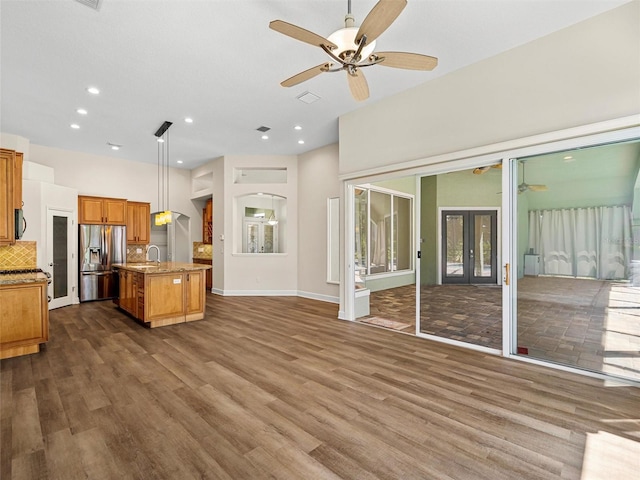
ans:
(21, 224)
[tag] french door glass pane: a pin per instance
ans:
(482, 248)
(60, 260)
(268, 238)
(252, 238)
(455, 245)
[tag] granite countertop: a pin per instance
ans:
(162, 267)
(20, 278)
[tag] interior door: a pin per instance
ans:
(469, 246)
(60, 257)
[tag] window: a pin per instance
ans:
(262, 223)
(384, 231)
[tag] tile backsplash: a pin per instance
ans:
(19, 256)
(134, 256)
(202, 250)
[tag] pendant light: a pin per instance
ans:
(272, 218)
(163, 216)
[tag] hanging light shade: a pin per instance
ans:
(164, 216)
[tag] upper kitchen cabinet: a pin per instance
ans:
(207, 222)
(138, 223)
(7, 196)
(102, 211)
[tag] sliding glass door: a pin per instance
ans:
(578, 280)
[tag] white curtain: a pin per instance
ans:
(583, 242)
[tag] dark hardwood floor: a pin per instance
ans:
(279, 388)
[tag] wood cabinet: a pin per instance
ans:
(161, 299)
(17, 180)
(208, 274)
(102, 211)
(138, 223)
(7, 197)
(195, 294)
(207, 222)
(130, 291)
(24, 318)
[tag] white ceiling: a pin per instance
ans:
(218, 62)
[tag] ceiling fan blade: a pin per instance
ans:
(358, 85)
(481, 170)
(301, 34)
(306, 75)
(538, 188)
(409, 61)
(380, 17)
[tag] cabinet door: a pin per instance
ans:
(195, 291)
(144, 223)
(23, 314)
(164, 296)
(132, 224)
(7, 215)
(17, 181)
(115, 211)
(90, 211)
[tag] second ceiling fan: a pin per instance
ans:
(352, 48)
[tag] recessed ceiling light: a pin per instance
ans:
(568, 158)
(297, 127)
(75, 126)
(82, 111)
(188, 120)
(301, 142)
(160, 140)
(93, 90)
(265, 137)
(260, 193)
(180, 161)
(115, 147)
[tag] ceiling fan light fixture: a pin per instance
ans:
(345, 39)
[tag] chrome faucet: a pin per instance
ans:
(149, 247)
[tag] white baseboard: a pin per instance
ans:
(275, 293)
(319, 296)
(258, 293)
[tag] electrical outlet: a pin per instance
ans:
(200, 249)
(138, 250)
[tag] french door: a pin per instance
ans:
(469, 246)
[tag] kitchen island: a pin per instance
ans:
(164, 293)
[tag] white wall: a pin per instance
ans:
(259, 274)
(114, 177)
(317, 181)
(584, 74)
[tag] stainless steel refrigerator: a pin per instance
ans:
(100, 247)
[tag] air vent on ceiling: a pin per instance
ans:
(263, 129)
(308, 97)
(95, 4)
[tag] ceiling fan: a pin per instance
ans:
(485, 169)
(524, 186)
(352, 48)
